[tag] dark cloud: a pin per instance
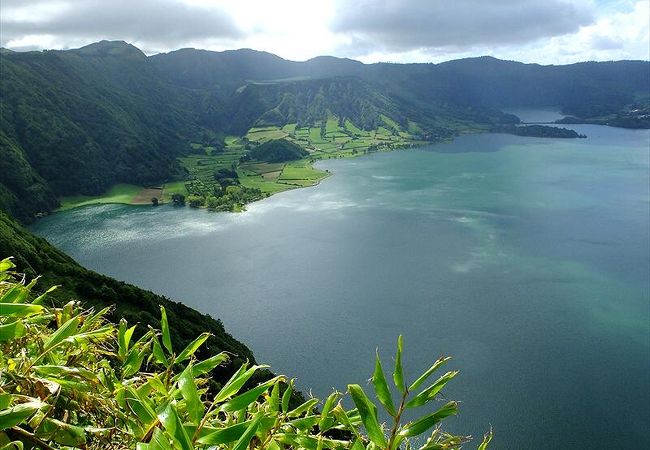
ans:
(151, 23)
(401, 25)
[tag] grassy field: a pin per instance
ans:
(337, 142)
(120, 193)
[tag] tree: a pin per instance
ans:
(178, 199)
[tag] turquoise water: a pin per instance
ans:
(526, 259)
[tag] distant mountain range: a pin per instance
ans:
(78, 121)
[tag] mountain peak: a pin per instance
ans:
(111, 48)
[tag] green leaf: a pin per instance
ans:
(303, 408)
(398, 373)
(14, 445)
(236, 382)
(5, 401)
(189, 392)
(416, 384)
(243, 400)
(381, 388)
(429, 393)
(50, 370)
(172, 423)
(286, 397)
(159, 441)
(274, 399)
(17, 414)
(487, 437)
(343, 418)
(11, 331)
(158, 353)
(166, 338)
(6, 265)
(19, 309)
(133, 362)
(245, 438)
(67, 329)
(326, 421)
(368, 412)
(124, 335)
(13, 294)
(225, 435)
(191, 348)
(304, 423)
(140, 406)
(41, 298)
(61, 432)
(207, 365)
(425, 423)
(93, 334)
(293, 440)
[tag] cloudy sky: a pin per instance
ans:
(542, 31)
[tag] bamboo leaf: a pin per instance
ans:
(158, 353)
(67, 329)
(19, 309)
(62, 433)
(207, 365)
(487, 438)
(17, 414)
(172, 423)
(41, 298)
(236, 382)
(159, 441)
(381, 388)
(326, 420)
(425, 423)
(368, 412)
(303, 408)
(242, 401)
(286, 397)
(225, 435)
(6, 265)
(166, 337)
(245, 438)
(416, 384)
(124, 335)
(398, 373)
(11, 331)
(189, 392)
(429, 393)
(191, 348)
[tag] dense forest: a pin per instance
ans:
(78, 121)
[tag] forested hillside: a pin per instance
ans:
(79, 121)
(83, 120)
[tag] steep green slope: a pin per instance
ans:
(88, 118)
(34, 255)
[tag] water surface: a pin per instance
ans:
(526, 259)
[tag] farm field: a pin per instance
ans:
(322, 140)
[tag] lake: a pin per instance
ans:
(526, 259)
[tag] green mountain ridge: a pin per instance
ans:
(76, 122)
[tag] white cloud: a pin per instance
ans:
(550, 31)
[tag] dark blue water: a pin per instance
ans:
(526, 259)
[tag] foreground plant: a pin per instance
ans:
(71, 379)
